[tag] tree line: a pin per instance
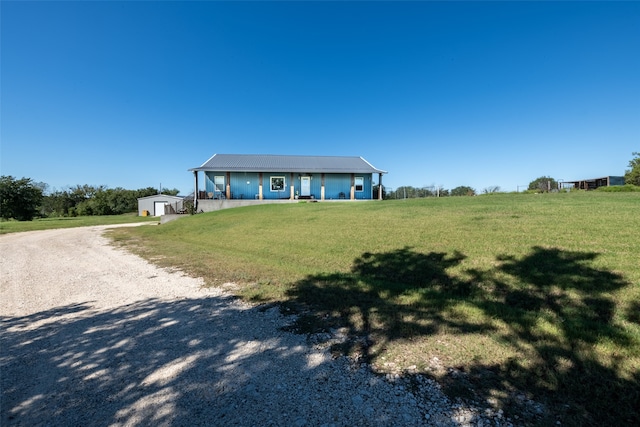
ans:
(409, 192)
(541, 184)
(23, 199)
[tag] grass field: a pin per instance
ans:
(528, 302)
(68, 222)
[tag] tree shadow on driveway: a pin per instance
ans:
(207, 361)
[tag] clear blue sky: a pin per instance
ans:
(132, 94)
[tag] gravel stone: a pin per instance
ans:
(93, 335)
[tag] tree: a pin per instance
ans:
(92, 200)
(492, 189)
(463, 191)
(409, 192)
(174, 191)
(19, 198)
(148, 191)
(110, 201)
(406, 192)
(544, 183)
(57, 203)
(632, 176)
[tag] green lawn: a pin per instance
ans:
(518, 296)
(68, 222)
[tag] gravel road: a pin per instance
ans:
(95, 336)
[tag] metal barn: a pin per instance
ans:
(593, 183)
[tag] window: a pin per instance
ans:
(359, 183)
(219, 183)
(218, 187)
(277, 183)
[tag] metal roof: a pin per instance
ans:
(161, 196)
(280, 163)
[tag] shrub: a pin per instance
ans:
(627, 188)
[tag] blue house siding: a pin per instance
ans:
(209, 185)
(208, 182)
(244, 185)
(335, 183)
(316, 185)
(368, 188)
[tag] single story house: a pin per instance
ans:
(286, 177)
(160, 204)
(593, 183)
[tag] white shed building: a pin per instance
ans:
(159, 204)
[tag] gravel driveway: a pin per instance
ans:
(95, 336)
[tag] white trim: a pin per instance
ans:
(373, 167)
(208, 160)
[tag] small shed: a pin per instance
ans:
(160, 204)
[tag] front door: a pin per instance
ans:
(305, 186)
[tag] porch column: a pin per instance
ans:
(228, 189)
(195, 190)
(260, 186)
(353, 189)
(291, 188)
(379, 186)
(322, 186)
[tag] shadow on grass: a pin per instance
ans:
(551, 307)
